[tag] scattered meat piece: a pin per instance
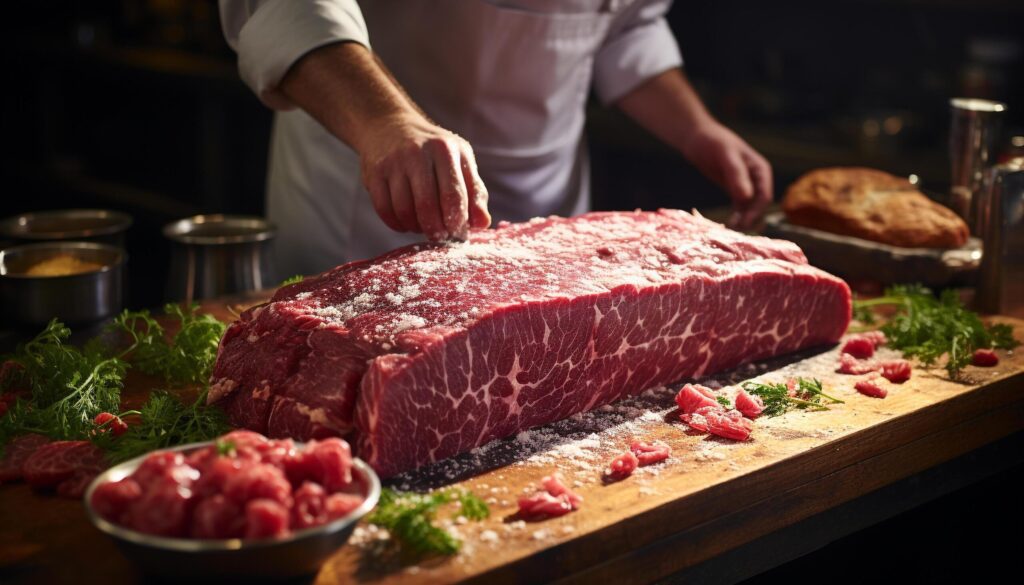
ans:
(694, 396)
(214, 517)
(554, 499)
(749, 405)
(623, 466)
(896, 371)
(74, 487)
(15, 454)
(340, 505)
(113, 423)
(542, 505)
(851, 365)
(717, 421)
(876, 337)
(554, 485)
(648, 454)
(859, 347)
(56, 462)
(871, 388)
(361, 349)
(985, 358)
(731, 425)
(792, 386)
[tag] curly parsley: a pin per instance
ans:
(410, 518)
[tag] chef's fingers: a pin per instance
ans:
(479, 217)
(451, 188)
(402, 202)
(381, 198)
(424, 195)
(761, 172)
(737, 177)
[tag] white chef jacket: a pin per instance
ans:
(509, 76)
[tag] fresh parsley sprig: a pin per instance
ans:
(777, 400)
(927, 327)
(409, 517)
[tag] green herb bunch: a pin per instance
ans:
(409, 517)
(927, 327)
(777, 400)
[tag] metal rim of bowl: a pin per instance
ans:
(182, 230)
(977, 105)
(196, 545)
(9, 225)
(120, 257)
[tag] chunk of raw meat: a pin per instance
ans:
(853, 366)
(985, 358)
(648, 454)
(870, 388)
(749, 405)
(717, 421)
(554, 499)
(434, 349)
(623, 466)
(896, 371)
(859, 347)
(15, 454)
(876, 338)
(694, 396)
(54, 463)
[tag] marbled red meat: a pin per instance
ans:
(648, 454)
(434, 349)
(53, 464)
(15, 454)
(896, 371)
(859, 347)
(871, 388)
(749, 405)
(717, 421)
(553, 499)
(693, 396)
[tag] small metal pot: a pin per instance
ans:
(80, 298)
(81, 225)
(217, 255)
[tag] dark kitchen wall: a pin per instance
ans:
(136, 104)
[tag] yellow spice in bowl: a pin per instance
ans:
(62, 265)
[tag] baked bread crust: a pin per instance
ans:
(873, 205)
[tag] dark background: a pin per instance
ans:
(136, 105)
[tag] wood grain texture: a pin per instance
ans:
(636, 530)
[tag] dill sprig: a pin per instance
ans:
(293, 280)
(409, 517)
(808, 395)
(165, 421)
(723, 401)
(927, 327)
(186, 359)
(67, 387)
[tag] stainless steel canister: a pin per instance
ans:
(999, 209)
(972, 142)
(216, 255)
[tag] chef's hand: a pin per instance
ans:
(669, 108)
(421, 177)
(733, 165)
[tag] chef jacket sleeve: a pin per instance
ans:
(271, 35)
(639, 46)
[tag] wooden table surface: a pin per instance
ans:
(712, 497)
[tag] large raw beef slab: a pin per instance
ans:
(435, 349)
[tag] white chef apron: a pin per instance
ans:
(512, 82)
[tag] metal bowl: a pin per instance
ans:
(80, 298)
(302, 553)
(217, 255)
(84, 225)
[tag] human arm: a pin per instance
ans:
(668, 107)
(313, 54)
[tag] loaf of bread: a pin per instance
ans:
(873, 205)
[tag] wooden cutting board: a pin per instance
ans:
(712, 496)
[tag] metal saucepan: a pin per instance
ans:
(81, 225)
(217, 255)
(91, 294)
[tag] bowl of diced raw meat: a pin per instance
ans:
(240, 506)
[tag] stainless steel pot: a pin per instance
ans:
(81, 225)
(75, 298)
(216, 255)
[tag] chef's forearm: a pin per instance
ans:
(668, 107)
(346, 89)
